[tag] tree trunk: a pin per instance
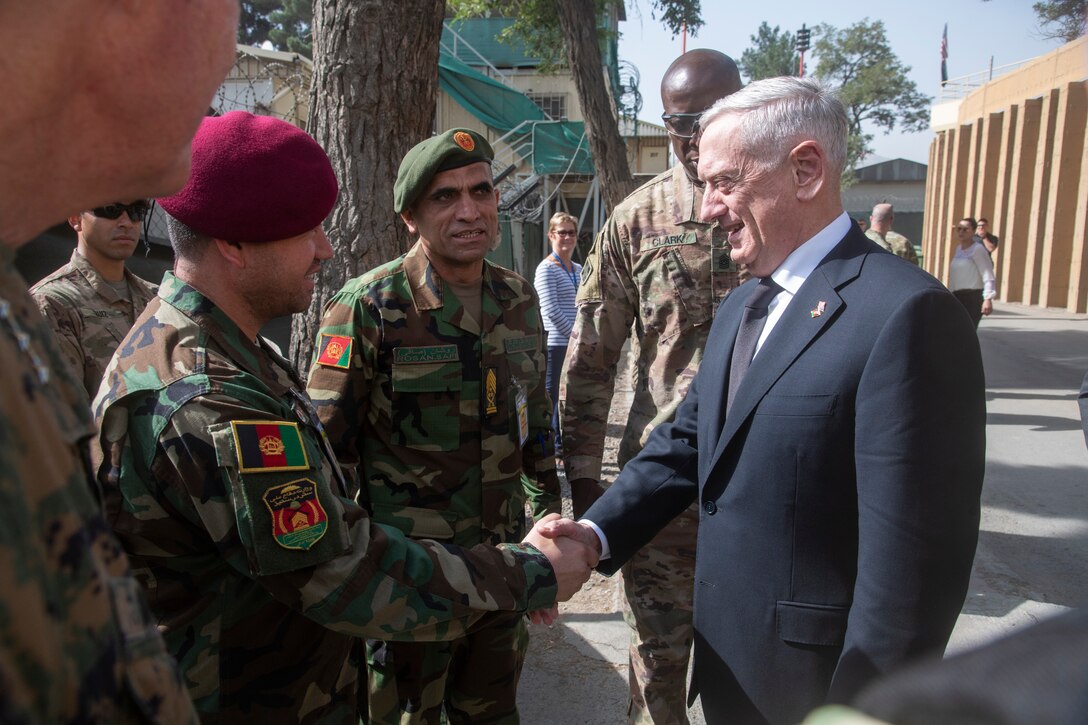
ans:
(578, 19)
(372, 98)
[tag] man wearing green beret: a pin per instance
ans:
(262, 571)
(429, 381)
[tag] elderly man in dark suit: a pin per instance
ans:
(839, 475)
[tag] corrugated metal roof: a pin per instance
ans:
(645, 129)
(282, 56)
(892, 170)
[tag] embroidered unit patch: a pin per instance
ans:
(335, 351)
(269, 446)
(298, 518)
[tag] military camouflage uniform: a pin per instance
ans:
(655, 266)
(422, 399)
(77, 642)
(90, 319)
(895, 243)
(260, 570)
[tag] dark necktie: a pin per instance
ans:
(751, 325)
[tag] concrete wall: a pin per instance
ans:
(1016, 155)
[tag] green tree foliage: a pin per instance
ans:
(536, 25)
(287, 24)
(771, 54)
(292, 27)
(536, 22)
(559, 32)
(1061, 19)
(871, 81)
(253, 23)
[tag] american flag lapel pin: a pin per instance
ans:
(818, 309)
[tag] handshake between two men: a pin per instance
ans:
(573, 550)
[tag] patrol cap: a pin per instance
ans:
(254, 179)
(450, 150)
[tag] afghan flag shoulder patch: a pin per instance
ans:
(298, 518)
(335, 351)
(269, 445)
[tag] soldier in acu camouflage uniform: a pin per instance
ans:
(429, 379)
(77, 642)
(880, 231)
(92, 301)
(260, 569)
(655, 265)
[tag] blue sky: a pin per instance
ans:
(1003, 29)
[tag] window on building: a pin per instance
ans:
(554, 105)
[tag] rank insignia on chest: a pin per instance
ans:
(335, 351)
(491, 391)
(298, 518)
(269, 446)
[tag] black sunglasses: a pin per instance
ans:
(136, 211)
(681, 125)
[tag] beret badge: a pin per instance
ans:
(464, 140)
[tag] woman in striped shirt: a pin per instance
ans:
(556, 283)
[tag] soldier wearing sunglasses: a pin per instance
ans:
(656, 265)
(92, 301)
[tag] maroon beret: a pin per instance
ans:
(254, 179)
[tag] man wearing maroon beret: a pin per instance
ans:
(429, 378)
(260, 569)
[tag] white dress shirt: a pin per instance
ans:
(972, 268)
(789, 275)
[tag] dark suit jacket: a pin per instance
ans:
(840, 497)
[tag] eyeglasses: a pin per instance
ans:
(681, 125)
(959, 228)
(565, 233)
(136, 211)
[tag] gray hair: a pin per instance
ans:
(776, 114)
(188, 243)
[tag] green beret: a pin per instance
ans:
(450, 150)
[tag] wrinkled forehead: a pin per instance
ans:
(463, 177)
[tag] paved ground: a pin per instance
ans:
(1032, 558)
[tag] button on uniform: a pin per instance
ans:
(710, 508)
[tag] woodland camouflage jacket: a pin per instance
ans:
(424, 400)
(77, 641)
(259, 566)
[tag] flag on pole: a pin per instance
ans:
(944, 55)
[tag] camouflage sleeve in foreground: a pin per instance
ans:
(414, 396)
(606, 310)
(361, 579)
(77, 643)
